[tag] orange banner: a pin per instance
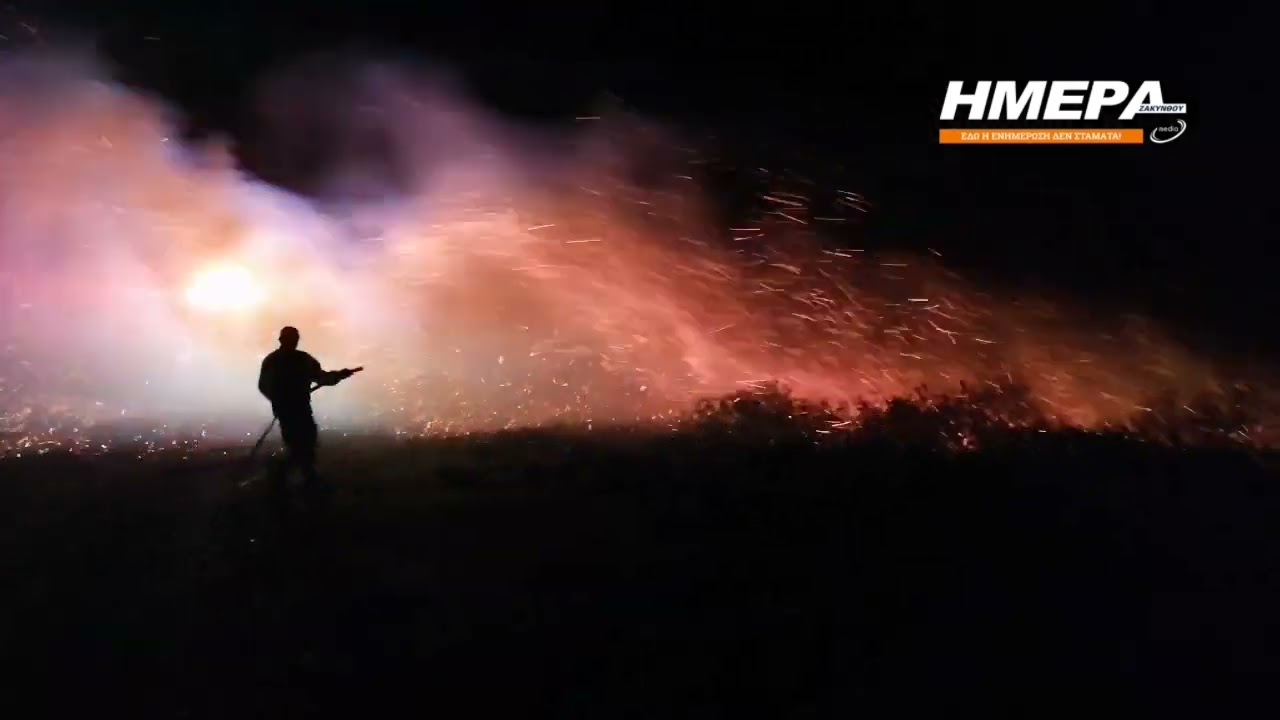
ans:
(1025, 136)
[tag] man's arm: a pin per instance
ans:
(320, 376)
(332, 377)
(266, 379)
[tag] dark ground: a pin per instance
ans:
(697, 575)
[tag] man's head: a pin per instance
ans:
(289, 338)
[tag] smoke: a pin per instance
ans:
(486, 274)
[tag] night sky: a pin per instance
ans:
(1180, 231)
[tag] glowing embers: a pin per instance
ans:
(225, 288)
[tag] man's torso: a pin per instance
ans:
(289, 374)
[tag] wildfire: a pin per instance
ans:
(481, 299)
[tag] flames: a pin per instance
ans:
(225, 288)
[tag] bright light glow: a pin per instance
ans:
(225, 288)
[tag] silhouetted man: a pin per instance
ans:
(286, 379)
